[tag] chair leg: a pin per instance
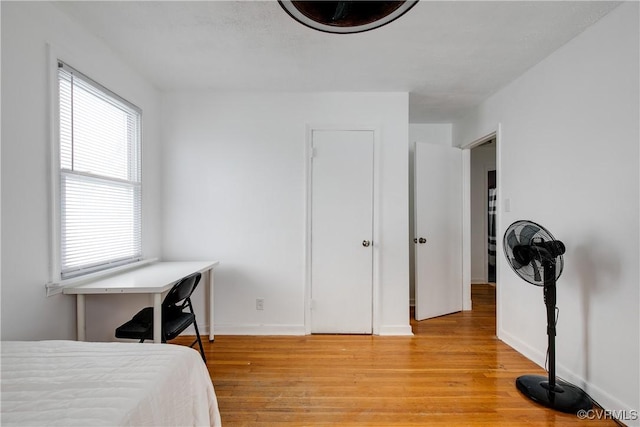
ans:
(195, 325)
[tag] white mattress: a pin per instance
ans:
(71, 383)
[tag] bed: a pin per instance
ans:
(72, 383)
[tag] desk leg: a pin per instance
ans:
(157, 318)
(211, 337)
(80, 317)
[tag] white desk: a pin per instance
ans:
(154, 279)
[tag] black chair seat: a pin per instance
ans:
(141, 325)
(135, 330)
(174, 318)
(177, 324)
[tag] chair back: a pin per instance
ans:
(179, 295)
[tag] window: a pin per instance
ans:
(100, 177)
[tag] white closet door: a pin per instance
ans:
(341, 231)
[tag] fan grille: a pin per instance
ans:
(528, 235)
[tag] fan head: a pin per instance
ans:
(527, 246)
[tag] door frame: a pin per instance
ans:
(310, 128)
(466, 219)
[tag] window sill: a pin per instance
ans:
(54, 288)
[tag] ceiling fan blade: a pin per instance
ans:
(342, 10)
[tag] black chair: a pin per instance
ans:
(174, 317)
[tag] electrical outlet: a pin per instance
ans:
(260, 304)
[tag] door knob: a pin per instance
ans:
(366, 243)
(422, 240)
(415, 240)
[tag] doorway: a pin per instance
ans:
(484, 243)
(491, 226)
(482, 193)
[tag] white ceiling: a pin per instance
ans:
(449, 55)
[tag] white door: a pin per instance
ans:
(341, 231)
(438, 205)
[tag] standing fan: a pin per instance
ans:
(536, 257)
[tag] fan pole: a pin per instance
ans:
(550, 302)
(564, 397)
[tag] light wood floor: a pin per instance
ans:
(453, 372)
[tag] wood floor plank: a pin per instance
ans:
(452, 372)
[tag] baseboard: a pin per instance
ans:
(390, 330)
(625, 412)
(521, 347)
(259, 329)
(395, 330)
(478, 281)
(617, 409)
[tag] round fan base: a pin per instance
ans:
(565, 398)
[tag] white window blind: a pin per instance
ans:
(100, 177)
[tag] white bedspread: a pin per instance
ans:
(71, 383)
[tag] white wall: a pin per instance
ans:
(27, 27)
(569, 159)
(483, 160)
(435, 133)
(234, 173)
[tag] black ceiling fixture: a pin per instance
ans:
(345, 17)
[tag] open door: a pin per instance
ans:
(438, 240)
